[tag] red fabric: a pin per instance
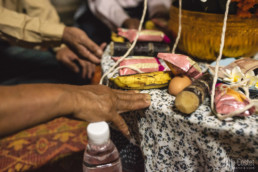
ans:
(40, 145)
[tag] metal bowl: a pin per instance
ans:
(201, 34)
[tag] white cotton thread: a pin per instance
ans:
(111, 74)
(220, 54)
(243, 83)
(131, 47)
(179, 27)
(222, 117)
(254, 102)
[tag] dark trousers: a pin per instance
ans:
(20, 65)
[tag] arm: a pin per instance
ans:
(109, 12)
(42, 9)
(21, 29)
(24, 106)
(18, 27)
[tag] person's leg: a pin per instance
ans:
(21, 65)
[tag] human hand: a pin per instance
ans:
(26, 105)
(160, 17)
(68, 58)
(162, 25)
(131, 23)
(101, 103)
(159, 11)
(82, 45)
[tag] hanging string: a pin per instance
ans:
(220, 54)
(121, 67)
(179, 27)
(132, 46)
(242, 84)
(253, 103)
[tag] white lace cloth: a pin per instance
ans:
(171, 141)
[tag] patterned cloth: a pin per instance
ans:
(171, 141)
(40, 145)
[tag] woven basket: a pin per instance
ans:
(201, 34)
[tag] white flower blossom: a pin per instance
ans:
(234, 76)
(253, 80)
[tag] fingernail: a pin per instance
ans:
(99, 52)
(136, 91)
(148, 98)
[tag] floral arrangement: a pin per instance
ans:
(242, 71)
(235, 76)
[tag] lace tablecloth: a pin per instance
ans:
(171, 141)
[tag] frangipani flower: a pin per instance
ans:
(253, 80)
(234, 76)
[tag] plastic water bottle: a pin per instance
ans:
(101, 154)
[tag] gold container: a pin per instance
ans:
(201, 34)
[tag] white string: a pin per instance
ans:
(179, 27)
(220, 54)
(132, 46)
(252, 102)
(113, 70)
(237, 112)
(121, 67)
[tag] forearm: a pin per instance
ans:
(109, 12)
(24, 106)
(19, 28)
(42, 9)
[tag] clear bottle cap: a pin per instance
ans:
(98, 132)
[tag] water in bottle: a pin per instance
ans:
(101, 154)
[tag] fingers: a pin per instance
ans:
(91, 70)
(92, 46)
(87, 68)
(130, 102)
(160, 22)
(78, 40)
(71, 65)
(121, 125)
(125, 91)
(86, 54)
(67, 57)
(103, 45)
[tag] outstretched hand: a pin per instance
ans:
(27, 105)
(101, 103)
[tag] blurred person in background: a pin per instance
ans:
(36, 24)
(98, 18)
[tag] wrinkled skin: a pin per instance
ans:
(26, 105)
(78, 41)
(69, 59)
